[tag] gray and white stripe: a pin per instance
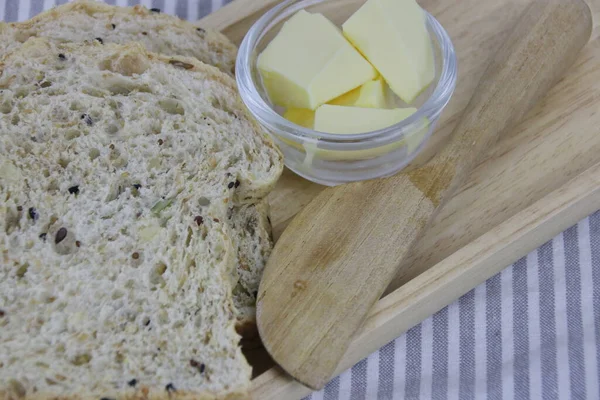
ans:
(520, 331)
(535, 359)
(574, 315)
(530, 332)
(439, 371)
(590, 289)
(19, 10)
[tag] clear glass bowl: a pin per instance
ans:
(332, 159)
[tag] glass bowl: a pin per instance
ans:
(332, 159)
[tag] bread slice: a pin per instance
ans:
(118, 169)
(159, 32)
(87, 19)
(252, 238)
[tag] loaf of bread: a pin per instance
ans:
(159, 32)
(119, 171)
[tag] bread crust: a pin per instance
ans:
(248, 330)
(254, 245)
(228, 82)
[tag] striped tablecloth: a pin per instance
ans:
(530, 332)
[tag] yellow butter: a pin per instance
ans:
(310, 62)
(371, 95)
(337, 119)
(300, 116)
(393, 36)
(411, 142)
(347, 120)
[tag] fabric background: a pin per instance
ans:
(530, 332)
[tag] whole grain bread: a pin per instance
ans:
(162, 33)
(159, 32)
(119, 170)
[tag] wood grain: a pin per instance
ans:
(558, 139)
(454, 276)
(339, 253)
(235, 18)
(553, 149)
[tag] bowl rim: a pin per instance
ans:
(272, 120)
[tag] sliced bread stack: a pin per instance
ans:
(131, 211)
(88, 21)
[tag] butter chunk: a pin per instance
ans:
(371, 95)
(393, 36)
(341, 119)
(310, 62)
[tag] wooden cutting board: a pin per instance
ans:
(537, 181)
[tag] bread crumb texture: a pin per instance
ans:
(159, 32)
(254, 243)
(119, 171)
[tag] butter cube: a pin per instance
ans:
(371, 95)
(393, 36)
(310, 62)
(341, 119)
